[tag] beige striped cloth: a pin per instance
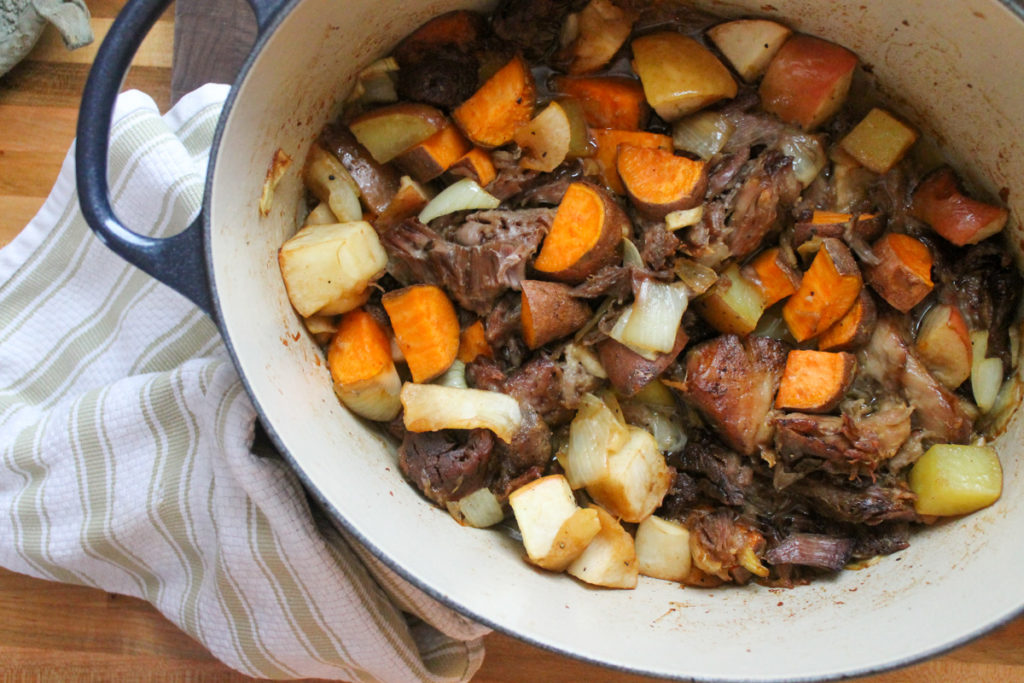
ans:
(126, 458)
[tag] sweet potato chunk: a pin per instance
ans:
(772, 273)
(853, 330)
(435, 155)
(904, 274)
(500, 107)
(607, 101)
(815, 381)
(827, 291)
(658, 182)
(476, 165)
(585, 235)
(607, 153)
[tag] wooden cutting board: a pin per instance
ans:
(59, 632)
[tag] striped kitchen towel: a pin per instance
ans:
(126, 456)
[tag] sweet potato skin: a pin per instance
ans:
(854, 329)
(550, 312)
(630, 372)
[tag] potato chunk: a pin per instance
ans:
(956, 480)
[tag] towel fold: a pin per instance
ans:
(126, 446)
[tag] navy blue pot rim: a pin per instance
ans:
(270, 14)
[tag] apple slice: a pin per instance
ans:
(879, 141)
(807, 81)
(388, 131)
(663, 549)
(944, 344)
(939, 202)
(749, 44)
(679, 74)
(610, 558)
(556, 133)
(555, 530)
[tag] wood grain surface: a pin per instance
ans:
(58, 632)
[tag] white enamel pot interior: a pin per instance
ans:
(957, 68)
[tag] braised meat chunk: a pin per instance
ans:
(732, 382)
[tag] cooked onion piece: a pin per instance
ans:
(595, 432)
(463, 195)
(432, 407)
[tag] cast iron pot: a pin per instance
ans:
(954, 68)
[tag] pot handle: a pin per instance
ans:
(178, 261)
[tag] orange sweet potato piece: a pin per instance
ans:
(360, 349)
(939, 202)
(585, 235)
(815, 381)
(550, 312)
(435, 155)
(607, 152)
(473, 343)
(607, 101)
(854, 329)
(658, 182)
(826, 293)
(903, 275)
(499, 107)
(426, 328)
(476, 165)
(773, 275)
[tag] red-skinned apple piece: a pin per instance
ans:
(807, 81)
